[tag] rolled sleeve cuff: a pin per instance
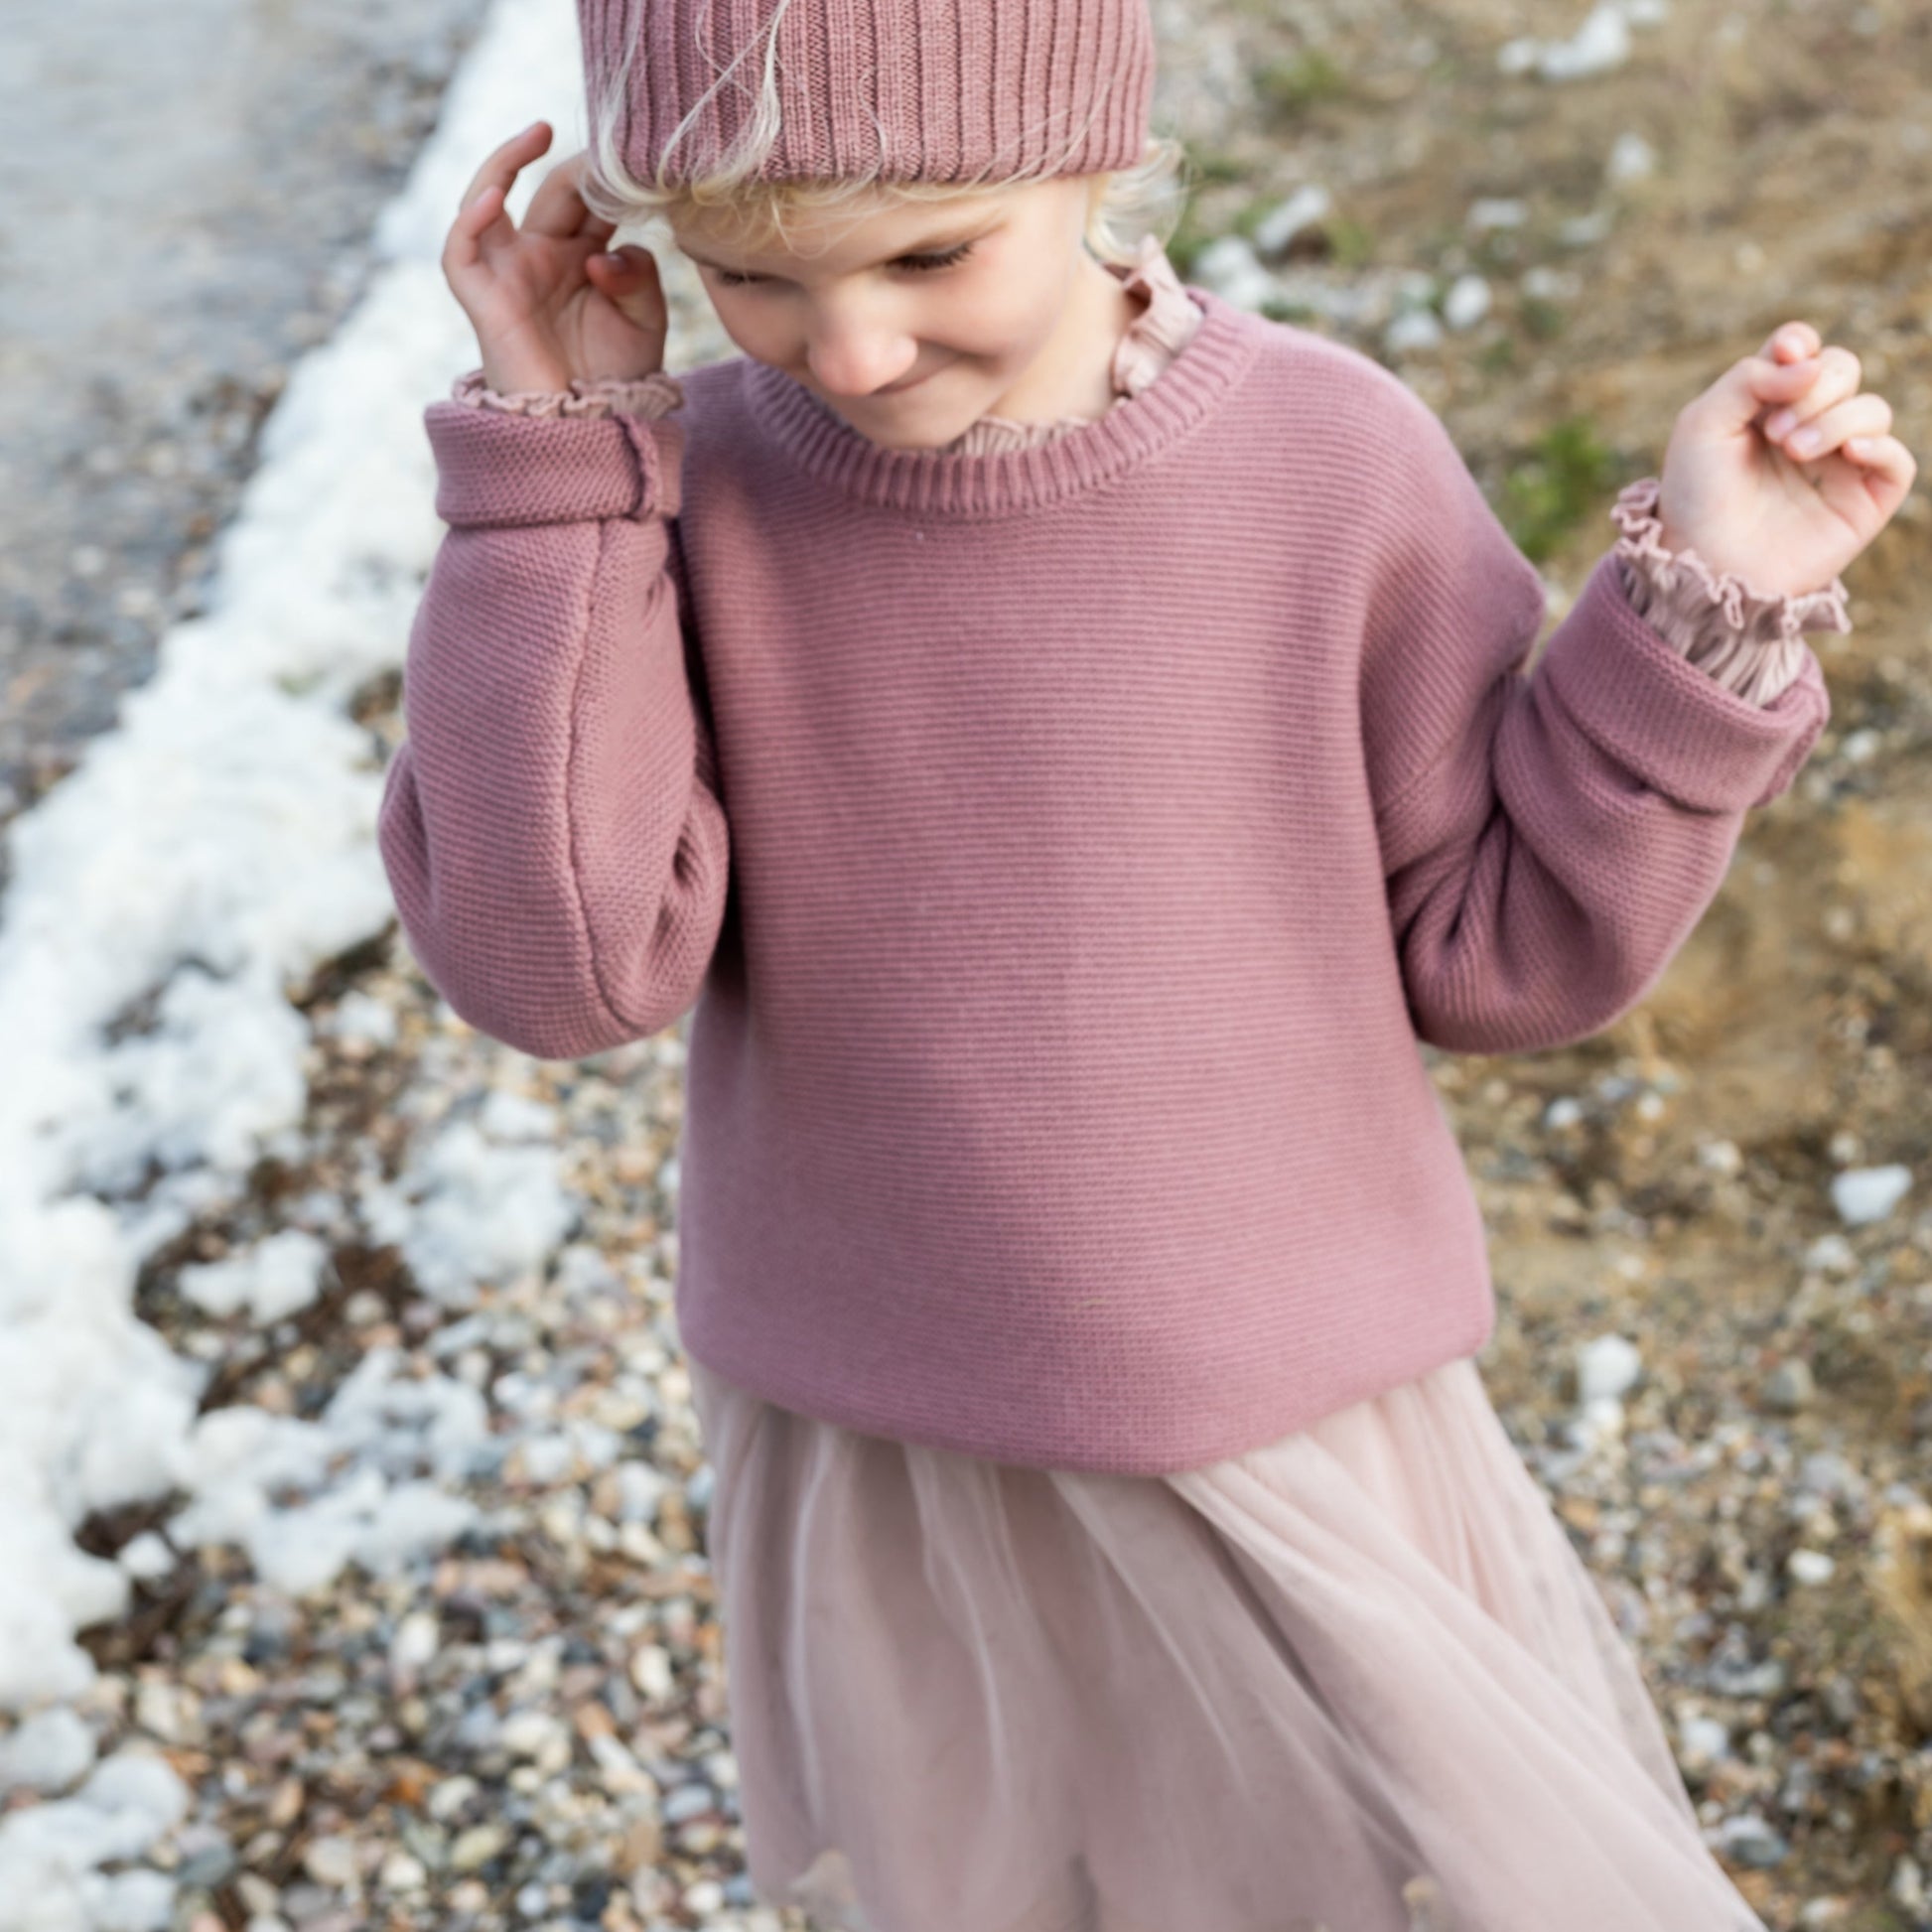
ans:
(1684, 733)
(495, 467)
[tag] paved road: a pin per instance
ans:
(185, 193)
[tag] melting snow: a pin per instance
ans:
(204, 857)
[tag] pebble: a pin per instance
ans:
(1865, 1194)
(1276, 230)
(1632, 158)
(1413, 329)
(477, 1846)
(1228, 265)
(1467, 302)
(1607, 1367)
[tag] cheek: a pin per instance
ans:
(999, 324)
(757, 332)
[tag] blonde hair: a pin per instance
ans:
(1122, 205)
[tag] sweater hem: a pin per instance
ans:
(1186, 1442)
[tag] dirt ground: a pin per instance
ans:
(1792, 1037)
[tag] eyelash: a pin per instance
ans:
(919, 264)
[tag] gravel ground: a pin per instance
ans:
(1715, 1298)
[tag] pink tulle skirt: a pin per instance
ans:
(1355, 1680)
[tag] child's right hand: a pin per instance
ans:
(547, 302)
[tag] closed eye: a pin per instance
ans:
(731, 278)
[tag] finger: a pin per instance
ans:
(1887, 459)
(1749, 388)
(1785, 395)
(1865, 415)
(464, 242)
(624, 274)
(506, 160)
(557, 208)
(1839, 375)
(1791, 342)
(483, 220)
(1868, 488)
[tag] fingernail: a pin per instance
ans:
(1805, 442)
(1779, 424)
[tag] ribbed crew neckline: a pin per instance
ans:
(1002, 481)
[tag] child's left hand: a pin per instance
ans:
(1737, 488)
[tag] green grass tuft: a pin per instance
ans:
(1551, 491)
(1289, 88)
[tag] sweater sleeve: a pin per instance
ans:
(552, 826)
(1549, 838)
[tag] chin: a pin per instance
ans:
(910, 439)
(911, 421)
(932, 434)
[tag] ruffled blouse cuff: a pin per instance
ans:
(654, 394)
(1751, 641)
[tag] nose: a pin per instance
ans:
(852, 356)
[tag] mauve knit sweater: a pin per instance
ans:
(1065, 850)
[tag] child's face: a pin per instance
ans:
(958, 299)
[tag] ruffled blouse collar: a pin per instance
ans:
(1168, 318)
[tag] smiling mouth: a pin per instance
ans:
(910, 382)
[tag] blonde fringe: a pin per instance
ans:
(728, 198)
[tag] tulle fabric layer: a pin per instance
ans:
(1355, 1681)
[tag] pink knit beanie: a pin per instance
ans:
(927, 89)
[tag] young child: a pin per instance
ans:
(1068, 738)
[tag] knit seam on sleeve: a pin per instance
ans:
(1391, 802)
(610, 1006)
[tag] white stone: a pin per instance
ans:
(415, 1643)
(1632, 158)
(1228, 266)
(1599, 45)
(650, 1671)
(1413, 329)
(1722, 1157)
(1832, 1254)
(330, 1861)
(1285, 219)
(1607, 1367)
(1495, 213)
(1585, 231)
(1548, 284)
(1863, 1194)
(1703, 1741)
(1467, 302)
